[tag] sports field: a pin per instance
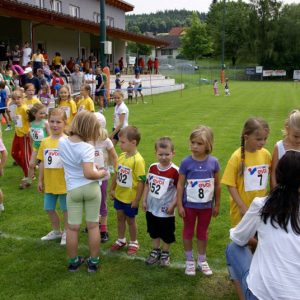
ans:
(32, 269)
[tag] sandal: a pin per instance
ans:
(117, 245)
(133, 248)
(24, 184)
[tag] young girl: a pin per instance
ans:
(39, 129)
(21, 145)
(66, 103)
(29, 92)
(121, 114)
(198, 196)
(137, 82)
(104, 153)
(291, 140)
(82, 177)
(45, 96)
(85, 103)
(3, 159)
(51, 177)
(216, 89)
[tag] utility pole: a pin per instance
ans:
(102, 38)
(223, 44)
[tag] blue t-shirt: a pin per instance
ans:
(3, 96)
(198, 169)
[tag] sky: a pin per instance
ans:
(148, 6)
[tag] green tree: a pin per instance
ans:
(196, 41)
(140, 49)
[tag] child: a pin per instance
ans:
(51, 177)
(39, 129)
(85, 103)
(227, 92)
(104, 153)
(138, 87)
(118, 82)
(3, 105)
(127, 188)
(45, 96)
(21, 145)
(159, 201)
(130, 91)
(66, 103)
(121, 114)
(290, 141)
(2, 163)
(247, 171)
(82, 177)
(29, 92)
(198, 196)
(216, 89)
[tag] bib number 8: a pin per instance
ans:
(122, 178)
(155, 188)
(201, 193)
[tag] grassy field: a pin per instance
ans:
(32, 269)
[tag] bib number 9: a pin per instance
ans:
(49, 160)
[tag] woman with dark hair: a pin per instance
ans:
(273, 271)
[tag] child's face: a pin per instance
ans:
(256, 140)
(18, 100)
(57, 125)
(293, 136)
(118, 99)
(197, 146)
(164, 156)
(30, 92)
(63, 94)
(126, 145)
(83, 92)
(41, 114)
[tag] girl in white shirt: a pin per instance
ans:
(273, 271)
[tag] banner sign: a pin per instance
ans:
(250, 71)
(296, 75)
(269, 73)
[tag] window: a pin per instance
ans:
(110, 21)
(74, 11)
(56, 6)
(96, 17)
(40, 3)
(166, 51)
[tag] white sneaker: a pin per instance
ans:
(1, 207)
(190, 268)
(63, 239)
(204, 268)
(52, 235)
(8, 128)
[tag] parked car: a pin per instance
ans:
(187, 67)
(166, 67)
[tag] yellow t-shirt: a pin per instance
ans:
(85, 104)
(130, 171)
(30, 103)
(54, 176)
(21, 121)
(70, 108)
(250, 185)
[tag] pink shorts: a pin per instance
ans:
(203, 217)
(2, 147)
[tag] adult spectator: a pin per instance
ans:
(141, 63)
(273, 271)
(3, 55)
(37, 60)
(56, 61)
(93, 61)
(26, 55)
(150, 65)
(47, 71)
(117, 69)
(77, 79)
(90, 79)
(29, 78)
(100, 92)
(45, 55)
(121, 64)
(41, 77)
(71, 64)
(16, 55)
(156, 64)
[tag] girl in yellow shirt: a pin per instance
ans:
(66, 103)
(85, 103)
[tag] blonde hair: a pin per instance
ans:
(87, 88)
(205, 134)
(293, 121)
(251, 126)
(17, 93)
(63, 87)
(103, 134)
(86, 126)
(58, 112)
(120, 93)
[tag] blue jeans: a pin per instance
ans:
(238, 262)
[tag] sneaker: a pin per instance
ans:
(63, 240)
(73, 267)
(190, 268)
(92, 267)
(8, 128)
(104, 237)
(1, 207)
(164, 259)
(117, 245)
(24, 184)
(153, 257)
(52, 235)
(204, 268)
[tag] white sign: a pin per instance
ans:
(267, 73)
(296, 75)
(258, 69)
(279, 73)
(131, 60)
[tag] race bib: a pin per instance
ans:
(158, 185)
(29, 106)
(37, 134)
(99, 158)
(67, 110)
(81, 108)
(256, 178)
(200, 190)
(12, 110)
(52, 159)
(124, 176)
(18, 121)
(44, 100)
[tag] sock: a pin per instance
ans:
(74, 260)
(94, 260)
(189, 255)
(134, 242)
(56, 231)
(122, 240)
(201, 258)
(103, 228)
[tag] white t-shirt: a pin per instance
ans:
(26, 56)
(73, 155)
(92, 85)
(137, 82)
(119, 110)
(275, 268)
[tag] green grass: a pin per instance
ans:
(31, 269)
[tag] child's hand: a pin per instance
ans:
(102, 172)
(181, 212)
(135, 204)
(144, 206)
(243, 210)
(170, 210)
(215, 211)
(112, 194)
(41, 187)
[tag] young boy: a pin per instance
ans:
(159, 201)
(127, 188)
(130, 92)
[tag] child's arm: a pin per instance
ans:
(217, 195)
(113, 157)
(172, 205)
(3, 161)
(180, 188)
(139, 193)
(113, 187)
(237, 199)
(273, 182)
(47, 128)
(92, 173)
(121, 122)
(145, 195)
(41, 177)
